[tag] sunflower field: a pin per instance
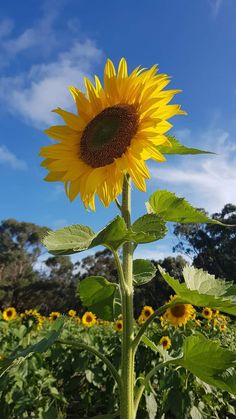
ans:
(69, 382)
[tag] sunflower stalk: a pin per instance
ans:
(127, 358)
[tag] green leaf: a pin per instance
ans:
(178, 148)
(148, 228)
(143, 271)
(113, 235)
(69, 240)
(42, 346)
(210, 362)
(203, 290)
(172, 208)
(98, 294)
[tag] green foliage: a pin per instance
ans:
(210, 362)
(148, 228)
(98, 295)
(143, 271)
(172, 208)
(202, 289)
(178, 148)
(39, 347)
(69, 240)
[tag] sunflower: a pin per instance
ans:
(147, 311)
(32, 318)
(54, 315)
(89, 319)
(9, 313)
(117, 128)
(118, 325)
(207, 313)
(165, 341)
(71, 313)
(179, 314)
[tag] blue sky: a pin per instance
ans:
(48, 45)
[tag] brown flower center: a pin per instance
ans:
(147, 313)
(89, 319)
(108, 135)
(9, 313)
(178, 310)
(164, 343)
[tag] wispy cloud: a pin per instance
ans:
(8, 158)
(207, 181)
(43, 86)
(215, 6)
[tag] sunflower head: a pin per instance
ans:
(165, 341)
(147, 311)
(71, 313)
(9, 314)
(118, 126)
(54, 315)
(89, 319)
(118, 325)
(179, 314)
(207, 313)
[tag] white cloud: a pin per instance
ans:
(35, 93)
(55, 58)
(215, 6)
(8, 158)
(207, 181)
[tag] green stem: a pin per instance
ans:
(144, 327)
(96, 353)
(144, 384)
(127, 357)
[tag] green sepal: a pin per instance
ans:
(148, 228)
(143, 271)
(178, 148)
(172, 208)
(98, 295)
(209, 362)
(41, 346)
(203, 290)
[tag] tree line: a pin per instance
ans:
(28, 282)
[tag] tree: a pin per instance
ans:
(20, 247)
(212, 247)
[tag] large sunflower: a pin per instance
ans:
(117, 128)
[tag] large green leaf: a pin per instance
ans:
(69, 240)
(148, 228)
(203, 290)
(172, 208)
(76, 238)
(210, 362)
(98, 295)
(143, 271)
(41, 346)
(113, 235)
(178, 148)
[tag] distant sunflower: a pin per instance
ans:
(9, 314)
(118, 127)
(54, 315)
(118, 325)
(165, 341)
(179, 314)
(207, 313)
(89, 319)
(71, 313)
(147, 311)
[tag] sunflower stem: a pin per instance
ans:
(127, 357)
